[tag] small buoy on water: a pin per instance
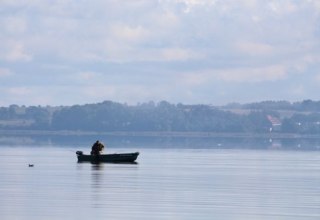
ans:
(31, 165)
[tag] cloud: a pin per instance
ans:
(298, 90)
(14, 51)
(253, 75)
(202, 47)
(283, 7)
(18, 53)
(255, 49)
(178, 54)
(87, 75)
(19, 91)
(190, 4)
(14, 25)
(5, 72)
(87, 78)
(129, 34)
(238, 75)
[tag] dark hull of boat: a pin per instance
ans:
(109, 158)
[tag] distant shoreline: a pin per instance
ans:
(160, 134)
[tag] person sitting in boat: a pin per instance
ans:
(97, 147)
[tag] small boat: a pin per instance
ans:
(108, 158)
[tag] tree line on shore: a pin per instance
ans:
(299, 117)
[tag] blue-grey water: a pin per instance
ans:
(167, 183)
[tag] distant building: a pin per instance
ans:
(275, 122)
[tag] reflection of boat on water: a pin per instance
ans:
(108, 158)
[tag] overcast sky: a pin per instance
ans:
(64, 52)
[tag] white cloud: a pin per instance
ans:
(252, 48)
(238, 75)
(196, 43)
(315, 3)
(178, 54)
(19, 91)
(283, 7)
(18, 53)
(14, 51)
(5, 72)
(298, 90)
(87, 78)
(195, 79)
(87, 75)
(15, 25)
(303, 62)
(253, 75)
(190, 4)
(129, 34)
(99, 92)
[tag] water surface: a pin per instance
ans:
(167, 183)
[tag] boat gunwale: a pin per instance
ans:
(109, 158)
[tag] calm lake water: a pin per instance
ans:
(167, 183)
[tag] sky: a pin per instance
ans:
(66, 52)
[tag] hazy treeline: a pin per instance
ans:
(299, 117)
